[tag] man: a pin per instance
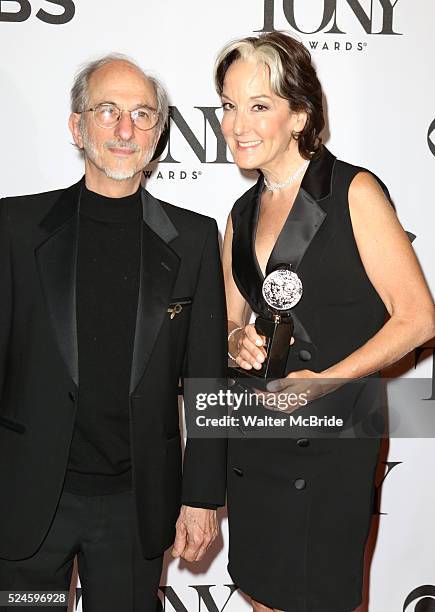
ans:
(109, 296)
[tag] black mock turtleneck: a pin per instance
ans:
(107, 291)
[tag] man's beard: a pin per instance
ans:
(117, 174)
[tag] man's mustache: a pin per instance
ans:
(121, 144)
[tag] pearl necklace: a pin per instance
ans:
(289, 181)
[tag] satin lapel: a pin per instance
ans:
(56, 259)
(301, 225)
(158, 271)
(306, 216)
(246, 272)
(298, 232)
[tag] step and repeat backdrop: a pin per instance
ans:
(375, 59)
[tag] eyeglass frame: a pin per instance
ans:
(122, 110)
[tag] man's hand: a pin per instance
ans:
(196, 530)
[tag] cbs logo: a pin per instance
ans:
(431, 137)
(421, 599)
(25, 10)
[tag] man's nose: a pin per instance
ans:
(125, 127)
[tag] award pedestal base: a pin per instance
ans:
(249, 379)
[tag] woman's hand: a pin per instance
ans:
(305, 384)
(248, 348)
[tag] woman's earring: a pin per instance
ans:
(296, 135)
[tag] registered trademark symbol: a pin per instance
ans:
(365, 44)
(200, 172)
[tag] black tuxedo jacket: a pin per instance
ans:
(39, 378)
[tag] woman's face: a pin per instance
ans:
(257, 124)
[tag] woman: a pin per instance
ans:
(299, 509)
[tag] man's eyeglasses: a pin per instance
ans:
(108, 115)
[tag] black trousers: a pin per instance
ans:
(102, 532)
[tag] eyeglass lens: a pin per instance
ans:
(108, 115)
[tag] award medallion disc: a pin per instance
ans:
(282, 289)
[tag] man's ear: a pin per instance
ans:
(74, 126)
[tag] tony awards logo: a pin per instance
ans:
(329, 14)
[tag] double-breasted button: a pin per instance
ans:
(299, 484)
(304, 355)
(303, 442)
(238, 471)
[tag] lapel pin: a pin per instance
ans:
(174, 310)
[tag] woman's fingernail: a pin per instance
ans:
(257, 365)
(260, 358)
(258, 342)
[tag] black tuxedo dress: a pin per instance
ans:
(300, 507)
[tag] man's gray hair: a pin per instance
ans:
(80, 88)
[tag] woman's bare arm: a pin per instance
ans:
(392, 267)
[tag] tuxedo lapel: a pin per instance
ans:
(301, 225)
(300, 228)
(246, 271)
(298, 232)
(158, 271)
(306, 215)
(56, 259)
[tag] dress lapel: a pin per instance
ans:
(246, 271)
(299, 230)
(306, 215)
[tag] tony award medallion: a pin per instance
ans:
(282, 290)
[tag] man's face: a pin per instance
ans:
(123, 151)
